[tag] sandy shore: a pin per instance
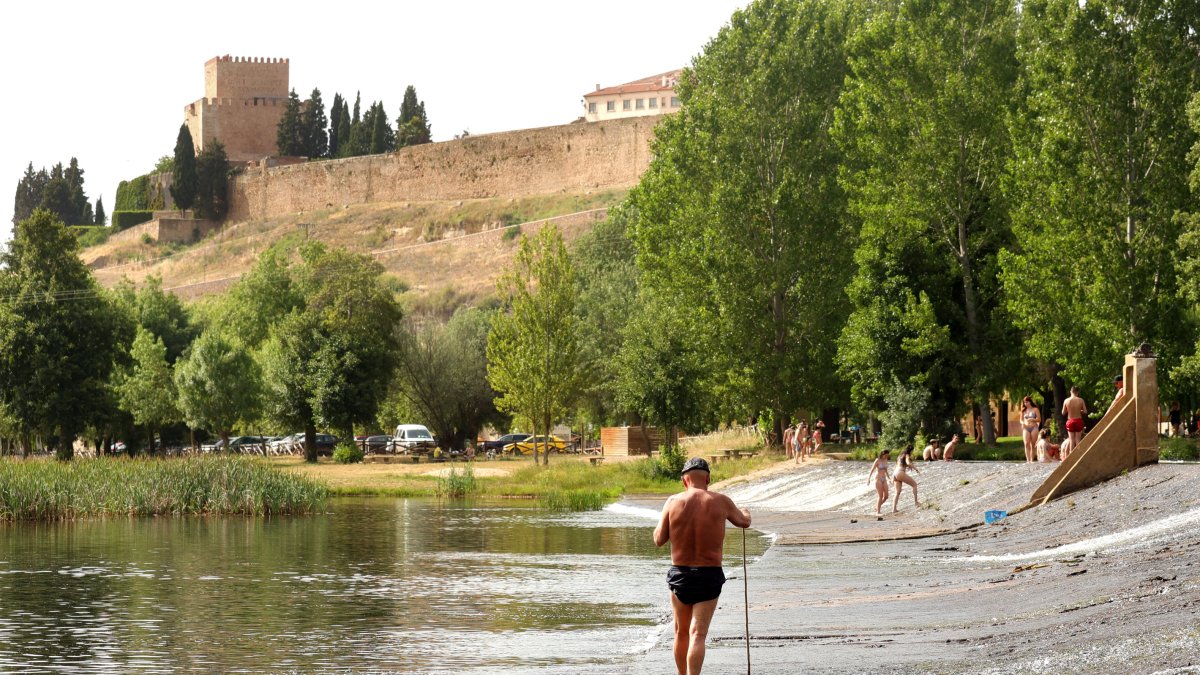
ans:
(1105, 580)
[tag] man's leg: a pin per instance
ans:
(683, 622)
(702, 614)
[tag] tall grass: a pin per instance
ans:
(458, 485)
(217, 485)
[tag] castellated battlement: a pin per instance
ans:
(244, 98)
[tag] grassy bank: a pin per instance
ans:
(216, 485)
(569, 483)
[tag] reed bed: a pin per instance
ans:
(210, 485)
(458, 484)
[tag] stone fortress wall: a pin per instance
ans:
(244, 99)
(530, 162)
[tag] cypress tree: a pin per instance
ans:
(101, 217)
(313, 123)
(335, 124)
(344, 129)
(212, 173)
(289, 136)
(28, 195)
(183, 176)
(413, 127)
(382, 138)
(80, 210)
(357, 100)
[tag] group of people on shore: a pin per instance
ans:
(800, 442)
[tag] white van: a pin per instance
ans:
(413, 439)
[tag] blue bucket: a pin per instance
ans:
(994, 516)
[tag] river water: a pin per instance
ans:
(374, 584)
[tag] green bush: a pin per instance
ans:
(458, 485)
(91, 235)
(576, 500)
(1178, 448)
(511, 233)
(123, 220)
(666, 466)
(347, 452)
(133, 195)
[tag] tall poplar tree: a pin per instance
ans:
(101, 216)
(184, 185)
(335, 124)
(1099, 175)
(924, 127)
(532, 348)
(740, 217)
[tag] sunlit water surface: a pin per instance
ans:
(375, 584)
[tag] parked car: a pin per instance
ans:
(377, 444)
(413, 439)
(525, 447)
(243, 444)
(286, 445)
(498, 444)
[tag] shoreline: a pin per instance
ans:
(1058, 586)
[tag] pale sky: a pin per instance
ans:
(107, 82)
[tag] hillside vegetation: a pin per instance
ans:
(444, 253)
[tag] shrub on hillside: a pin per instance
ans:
(123, 220)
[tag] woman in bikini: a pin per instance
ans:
(880, 470)
(901, 477)
(1031, 421)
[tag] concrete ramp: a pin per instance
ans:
(1125, 438)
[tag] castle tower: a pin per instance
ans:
(243, 102)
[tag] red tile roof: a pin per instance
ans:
(646, 84)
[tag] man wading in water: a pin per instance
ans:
(694, 522)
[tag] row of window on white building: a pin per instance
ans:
(633, 104)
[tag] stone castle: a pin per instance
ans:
(244, 99)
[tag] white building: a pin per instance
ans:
(653, 95)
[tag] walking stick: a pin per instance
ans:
(746, 592)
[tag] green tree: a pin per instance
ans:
(101, 216)
(313, 123)
(80, 209)
(184, 183)
(219, 385)
(336, 120)
(330, 361)
(1099, 174)
(443, 374)
(662, 370)
(212, 180)
(924, 128)
(412, 127)
(532, 348)
(260, 299)
(161, 313)
(147, 392)
(740, 216)
(59, 335)
(383, 139)
(290, 134)
(56, 198)
(344, 129)
(29, 193)
(607, 283)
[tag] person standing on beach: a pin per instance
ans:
(788, 434)
(880, 470)
(1031, 421)
(694, 522)
(1074, 409)
(901, 477)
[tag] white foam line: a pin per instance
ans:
(627, 510)
(1141, 535)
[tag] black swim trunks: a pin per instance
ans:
(695, 584)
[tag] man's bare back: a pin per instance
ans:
(694, 523)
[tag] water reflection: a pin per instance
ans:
(407, 585)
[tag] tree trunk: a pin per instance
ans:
(1060, 397)
(972, 312)
(546, 446)
(310, 443)
(66, 448)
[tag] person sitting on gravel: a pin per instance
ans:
(880, 470)
(933, 451)
(1046, 451)
(901, 477)
(948, 454)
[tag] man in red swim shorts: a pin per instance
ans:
(1074, 409)
(694, 522)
